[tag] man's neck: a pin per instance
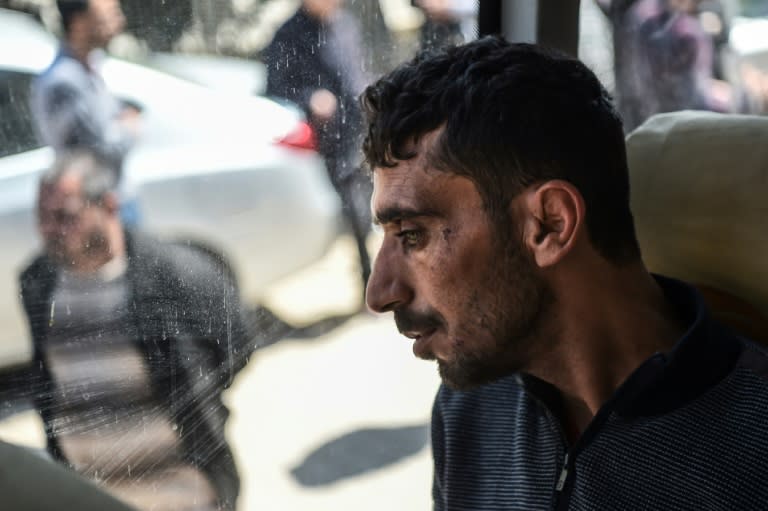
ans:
(320, 16)
(602, 339)
(108, 271)
(80, 49)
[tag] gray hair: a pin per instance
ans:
(98, 176)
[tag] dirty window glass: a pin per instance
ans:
(658, 56)
(16, 128)
(181, 298)
(186, 234)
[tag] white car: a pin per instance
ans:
(233, 172)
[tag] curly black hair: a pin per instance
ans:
(512, 115)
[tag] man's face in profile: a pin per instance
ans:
(106, 20)
(470, 298)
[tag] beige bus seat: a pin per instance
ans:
(700, 200)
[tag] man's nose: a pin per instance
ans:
(387, 288)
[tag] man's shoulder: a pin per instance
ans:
(503, 394)
(34, 264)
(150, 249)
(299, 20)
(38, 268)
(63, 72)
(753, 359)
(188, 264)
(296, 31)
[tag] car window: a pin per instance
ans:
(16, 129)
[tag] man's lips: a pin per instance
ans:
(421, 345)
(421, 327)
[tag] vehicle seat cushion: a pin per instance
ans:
(699, 182)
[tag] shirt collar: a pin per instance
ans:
(701, 358)
(92, 62)
(704, 355)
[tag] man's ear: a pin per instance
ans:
(554, 216)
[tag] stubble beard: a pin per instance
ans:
(512, 319)
(95, 247)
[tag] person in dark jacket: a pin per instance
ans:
(134, 341)
(573, 378)
(315, 60)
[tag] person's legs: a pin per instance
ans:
(355, 194)
(354, 189)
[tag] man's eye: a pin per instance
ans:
(410, 238)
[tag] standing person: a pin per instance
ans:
(572, 377)
(679, 63)
(315, 60)
(71, 105)
(665, 61)
(447, 22)
(134, 342)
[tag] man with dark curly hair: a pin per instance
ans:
(573, 377)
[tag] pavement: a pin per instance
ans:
(330, 418)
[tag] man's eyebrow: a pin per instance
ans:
(396, 213)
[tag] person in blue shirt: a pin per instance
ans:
(71, 105)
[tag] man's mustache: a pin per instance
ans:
(411, 321)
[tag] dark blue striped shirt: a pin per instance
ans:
(687, 430)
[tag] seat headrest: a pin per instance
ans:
(699, 187)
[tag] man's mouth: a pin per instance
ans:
(421, 344)
(421, 327)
